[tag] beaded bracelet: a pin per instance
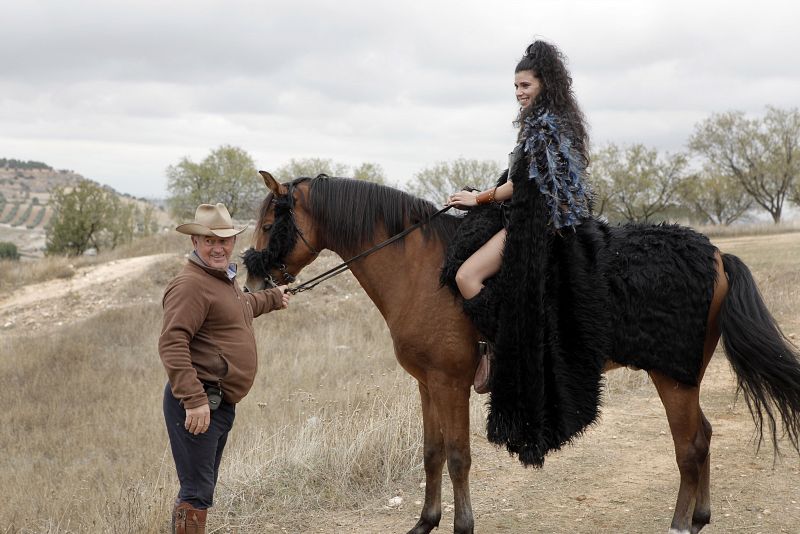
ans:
(486, 197)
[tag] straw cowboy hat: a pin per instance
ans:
(211, 220)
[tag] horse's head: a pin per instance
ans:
(284, 240)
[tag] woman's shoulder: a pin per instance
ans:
(545, 118)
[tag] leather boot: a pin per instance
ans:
(482, 381)
(482, 311)
(188, 520)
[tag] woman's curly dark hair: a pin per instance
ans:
(549, 66)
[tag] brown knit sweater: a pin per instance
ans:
(208, 333)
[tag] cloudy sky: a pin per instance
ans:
(119, 90)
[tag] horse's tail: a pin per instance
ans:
(766, 364)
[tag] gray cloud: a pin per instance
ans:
(120, 90)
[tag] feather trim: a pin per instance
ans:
(556, 168)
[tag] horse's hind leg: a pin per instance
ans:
(682, 404)
(434, 456)
(702, 508)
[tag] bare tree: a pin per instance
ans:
(437, 182)
(718, 198)
(600, 192)
(312, 167)
(370, 172)
(762, 154)
(636, 183)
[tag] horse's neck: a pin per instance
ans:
(395, 276)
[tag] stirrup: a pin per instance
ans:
(483, 373)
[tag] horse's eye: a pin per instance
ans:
(266, 228)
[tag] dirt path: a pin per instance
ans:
(620, 477)
(61, 301)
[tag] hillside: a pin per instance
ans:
(25, 202)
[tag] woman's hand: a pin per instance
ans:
(463, 200)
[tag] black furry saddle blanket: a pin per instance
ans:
(566, 302)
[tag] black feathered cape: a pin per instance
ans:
(566, 301)
(551, 339)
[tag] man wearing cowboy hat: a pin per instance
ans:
(208, 349)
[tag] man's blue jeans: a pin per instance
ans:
(197, 457)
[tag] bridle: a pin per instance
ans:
(288, 278)
(274, 259)
(279, 264)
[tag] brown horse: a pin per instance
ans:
(436, 343)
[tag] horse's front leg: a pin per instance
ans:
(434, 455)
(451, 398)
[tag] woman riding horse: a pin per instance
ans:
(539, 279)
(552, 145)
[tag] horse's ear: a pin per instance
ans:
(279, 190)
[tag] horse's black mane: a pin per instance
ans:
(350, 212)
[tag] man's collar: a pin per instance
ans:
(230, 272)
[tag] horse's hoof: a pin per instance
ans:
(700, 520)
(423, 527)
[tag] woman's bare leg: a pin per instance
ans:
(483, 264)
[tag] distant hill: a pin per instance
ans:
(25, 188)
(19, 164)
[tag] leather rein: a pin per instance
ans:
(345, 265)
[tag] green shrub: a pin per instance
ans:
(8, 251)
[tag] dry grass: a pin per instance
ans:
(775, 263)
(332, 422)
(745, 230)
